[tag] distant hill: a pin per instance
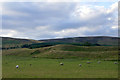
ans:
(10, 43)
(63, 48)
(15, 42)
(67, 51)
(102, 40)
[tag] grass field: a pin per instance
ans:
(47, 65)
(50, 68)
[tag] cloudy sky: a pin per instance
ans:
(46, 20)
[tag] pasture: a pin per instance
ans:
(51, 68)
(45, 62)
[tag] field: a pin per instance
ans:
(50, 68)
(47, 62)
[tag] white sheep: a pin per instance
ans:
(99, 62)
(80, 65)
(17, 66)
(88, 62)
(61, 64)
(115, 63)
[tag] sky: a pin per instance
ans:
(48, 20)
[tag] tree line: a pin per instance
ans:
(46, 44)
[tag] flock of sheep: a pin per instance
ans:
(88, 62)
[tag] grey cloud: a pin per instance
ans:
(58, 16)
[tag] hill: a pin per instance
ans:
(101, 40)
(8, 42)
(11, 43)
(67, 51)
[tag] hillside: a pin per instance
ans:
(11, 43)
(15, 42)
(102, 40)
(66, 51)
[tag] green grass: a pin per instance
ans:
(50, 68)
(47, 63)
(89, 48)
(67, 51)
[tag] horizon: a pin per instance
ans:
(44, 20)
(61, 38)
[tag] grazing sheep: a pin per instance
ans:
(80, 65)
(99, 62)
(17, 66)
(115, 63)
(88, 62)
(61, 64)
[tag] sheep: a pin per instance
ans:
(61, 64)
(115, 63)
(99, 62)
(80, 65)
(17, 66)
(88, 62)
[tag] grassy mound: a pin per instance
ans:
(67, 51)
